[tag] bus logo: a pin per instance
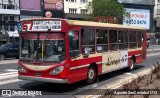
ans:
(54, 25)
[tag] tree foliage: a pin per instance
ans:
(106, 8)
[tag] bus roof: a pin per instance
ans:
(89, 23)
(98, 24)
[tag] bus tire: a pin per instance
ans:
(92, 75)
(2, 57)
(132, 65)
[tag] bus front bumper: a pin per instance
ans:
(51, 80)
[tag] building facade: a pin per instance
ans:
(9, 15)
(30, 8)
(75, 9)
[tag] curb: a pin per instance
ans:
(120, 82)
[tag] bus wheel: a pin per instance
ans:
(2, 56)
(91, 75)
(132, 65)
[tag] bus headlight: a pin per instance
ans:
(21, 69)
(56, 70)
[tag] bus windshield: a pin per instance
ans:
(43, 47)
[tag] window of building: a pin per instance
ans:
(12, 28)
(72, 0)
(123, 39)
(84, 1)
(83, 11)
(1, 17)
(132, 39)
(73, 43)
(113, 40)
(6, 27)
(5, 18)
(16, 7)
(9, 6)
(88, 40)
(102, 40)
(4, 6)
(11, 18)
(72, 10)
(0, 27)
(13, 6)
(1, 6)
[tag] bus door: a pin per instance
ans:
(74, 52)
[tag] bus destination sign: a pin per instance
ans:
(40, 26)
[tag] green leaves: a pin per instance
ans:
(106, 8)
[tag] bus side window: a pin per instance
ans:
(139, 38)
(113, 43)
(73, 43)
(88, 41)
(132, 39)
(102, 40)
(123, 39)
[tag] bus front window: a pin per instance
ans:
(50, 48)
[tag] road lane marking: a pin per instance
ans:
(8, 61)
(11, 70)
(9, 81)
(8, 73)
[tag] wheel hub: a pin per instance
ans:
(2, 57)
(91, 74)
(132, 64)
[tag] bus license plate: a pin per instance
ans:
(37, 74)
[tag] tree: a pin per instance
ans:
(105, 8)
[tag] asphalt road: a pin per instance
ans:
(8, 65)
(64, 91)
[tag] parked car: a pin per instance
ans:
(9, 50)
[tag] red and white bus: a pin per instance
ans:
(67, 51)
